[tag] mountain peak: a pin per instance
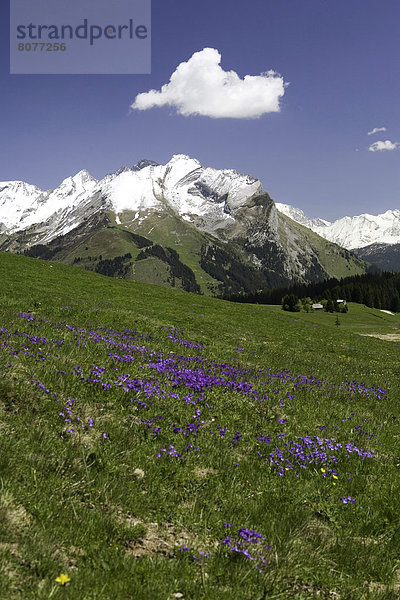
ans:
(84, 176)
(183, 158)
(300, 217)
(351, 232)
(142, 164)
(80, 179)
(18, 186)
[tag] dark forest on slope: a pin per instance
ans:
(375, 290)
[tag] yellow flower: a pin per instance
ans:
(63, 579)
(323, 471)
(335, 477)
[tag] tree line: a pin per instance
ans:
(375, 290)
(114, 267)
(177, 268)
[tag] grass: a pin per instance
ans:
(208, 465)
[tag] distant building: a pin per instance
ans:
(317, 306)
(341, 301)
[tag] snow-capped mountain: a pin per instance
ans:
(23, 205)
(223, 222)
(351, 232)
(183, 186)
(16, 198)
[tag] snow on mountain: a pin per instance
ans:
(195, 193)
(351, 232)
(227, 186)
(183, 185)
(298, 215)
(207, 197)
(15, 198)
(72, 192)
(130, 190)
(23, 205)
(363, 230)
(244, 241)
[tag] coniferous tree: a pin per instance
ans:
(395, 303)
(330, 306)
(291, 303)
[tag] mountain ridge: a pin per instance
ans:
(220, 223)
(351, 233)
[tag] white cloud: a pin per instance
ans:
(376, 130)
(201, 87)
(386, 145)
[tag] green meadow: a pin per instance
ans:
(156, 444)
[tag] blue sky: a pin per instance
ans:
(340, 59)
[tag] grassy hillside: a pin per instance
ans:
(261, 249)
(158, 445)
(337, 262)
